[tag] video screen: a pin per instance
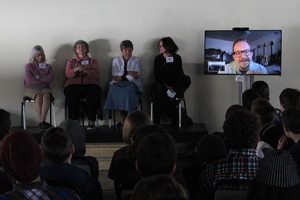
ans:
(243, 52)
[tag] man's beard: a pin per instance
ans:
(244, 64)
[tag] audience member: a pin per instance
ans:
(247, 97)
(241, 131)
(289, 97)
(82, 81)
(276, 178)
(38, 77)
(126, 85)
(262, 89)
(233, 108)
(291, 124)
(270, 132)
(21, 156)
(6, 184)
(160, 187)
(122, 167)
(78, 134)
(58, 149)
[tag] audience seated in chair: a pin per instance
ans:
(78, 134)
(289, 97)
(241, 131)
(58, 149)
(291, 124)
(276, 177)
(6, 183)
(247, 97)
(122, 167)
(20, 157)
(158, 188)
(271, 131)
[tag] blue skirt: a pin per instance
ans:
(123, 95)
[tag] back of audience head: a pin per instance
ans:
(289, 97)
(291, 121)
(21, 156)
(156, 155)
(5, 123)
(262, 89)
(247, 97)
(210, 148)
(241, 130)
(132, 122)
(276, 178)
(264, 109)
(141, 133)
(161, 187)
(77, 134)
(57, 146)
(233, 108)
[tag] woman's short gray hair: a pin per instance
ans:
(38, 49)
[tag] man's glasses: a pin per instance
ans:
(246, 52)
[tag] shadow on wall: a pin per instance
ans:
(147, 60)
(100, 49)
(62, 55)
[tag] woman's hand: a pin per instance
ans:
(281, 142)
(78, 69)
(134, 74)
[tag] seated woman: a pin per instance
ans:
(82, 82)
(170, 80)
(126, 85)
(38, 76)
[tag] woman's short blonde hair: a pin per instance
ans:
(132, 122)
(38, 49)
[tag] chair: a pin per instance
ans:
(181, 100)
(27, 99)
(235, 189)
(87, 163)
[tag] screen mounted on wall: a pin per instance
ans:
(243, 52)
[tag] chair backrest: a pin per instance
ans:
(87, 163)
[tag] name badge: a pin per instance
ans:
(85, 62)
(42, 65)
(169, 59)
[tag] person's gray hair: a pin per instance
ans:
(126, 44)
(38, 49)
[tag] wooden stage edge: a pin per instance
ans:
(104, 134)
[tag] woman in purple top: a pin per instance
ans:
(38, 76)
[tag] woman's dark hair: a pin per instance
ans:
(264, 109)
(247, 97)
(241, 130)
(82, 42)
(56, 145)
(161, 187)
(290, 97)
(169, 45)
(291, 119)
(262, 89)
(126, 44)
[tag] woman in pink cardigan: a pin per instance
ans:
(38, 77)
(82, 81)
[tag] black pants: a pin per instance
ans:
(164, 106)
(74, 93)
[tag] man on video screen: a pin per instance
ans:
(243, 64)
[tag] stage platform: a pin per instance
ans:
(104, 134)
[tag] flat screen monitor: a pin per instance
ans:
(242, 52)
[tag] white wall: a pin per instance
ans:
(57, 24)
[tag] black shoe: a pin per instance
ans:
(44, 125)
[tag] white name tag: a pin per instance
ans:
(169, 59)
(85, 62)
(42, 65)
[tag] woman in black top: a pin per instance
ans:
(170, 81)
